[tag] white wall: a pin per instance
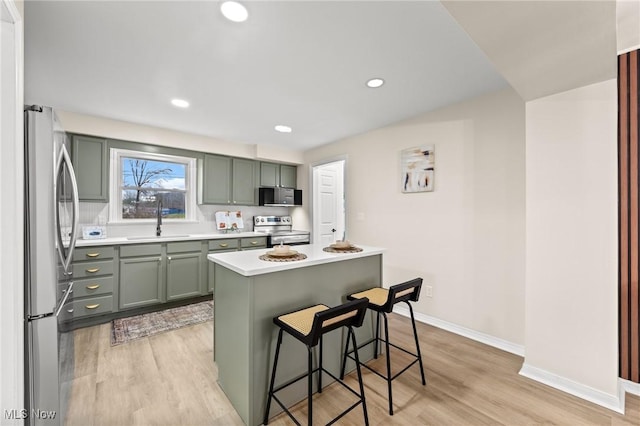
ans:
(571, 268)
(466, 239)
(628, 25)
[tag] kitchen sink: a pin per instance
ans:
(162, 237)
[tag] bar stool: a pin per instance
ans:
(308, 325)
(382, 301)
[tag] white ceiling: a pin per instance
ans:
(299, 63)
(544, 47)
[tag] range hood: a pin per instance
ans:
(279, 197)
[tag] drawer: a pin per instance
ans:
(140, 250)
(254, 242)
(89, 287)
(92, 269)
(87, 307)
(184, 247)
(93, 253)
(223, 244)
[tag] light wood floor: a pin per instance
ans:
(170, 379)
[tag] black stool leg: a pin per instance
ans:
(386, 335)
(415, 335)
(273, 378)
(346, 351)
(355, 352)
(310, 386)
(320, 368)
(377, 342)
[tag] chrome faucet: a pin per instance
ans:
(159, 217)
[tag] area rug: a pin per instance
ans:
(124, 330)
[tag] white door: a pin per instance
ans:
(328, 205)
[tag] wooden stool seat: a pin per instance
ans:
(308, 325)
(382, 300)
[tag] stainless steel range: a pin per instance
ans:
(279, 230)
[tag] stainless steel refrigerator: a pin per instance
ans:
(51, 227)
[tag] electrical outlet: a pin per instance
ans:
(428, 290)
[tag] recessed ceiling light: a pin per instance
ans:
(234, 11)
(283, 129)
(180, 103)
(375, 82)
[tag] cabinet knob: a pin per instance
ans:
(224, 245)
(92, 306)
(254, 242)
(168, 258)
(93, 254)
(92, 270)
(92, 287)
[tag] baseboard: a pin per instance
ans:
(612, 402)
(465, 332)
(629, 386)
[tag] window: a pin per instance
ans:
(143, 182)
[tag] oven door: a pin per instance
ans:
(289, 239)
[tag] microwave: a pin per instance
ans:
(278, 196)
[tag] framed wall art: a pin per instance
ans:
(417, 168)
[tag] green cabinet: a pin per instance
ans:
(218, 246)
(230, 244)
(93, 283)
(226, 180)
(269, 174)
(90, 162)
(253, 243)
(244, 182)
(215, 185)
(273, 174)
(141, 278)
(288, 176)
(184, 269)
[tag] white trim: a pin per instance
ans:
(612, 402)
(631, 387)
(12, 227)
(115, 208)
(465, 332)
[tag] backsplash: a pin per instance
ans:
(98, 214)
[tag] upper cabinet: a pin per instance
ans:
(243, 188)
(272, 174)
(288, 176)
(215, 186)
(226, 180)
(90, 162)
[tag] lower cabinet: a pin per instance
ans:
(219, 246)
(141, 279)
(184, 270)
(93, 284)
(113, 278)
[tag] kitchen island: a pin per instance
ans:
(249, 292)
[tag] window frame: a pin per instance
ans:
(116, 184)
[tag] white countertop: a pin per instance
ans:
(163, 239)
(247, 262)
